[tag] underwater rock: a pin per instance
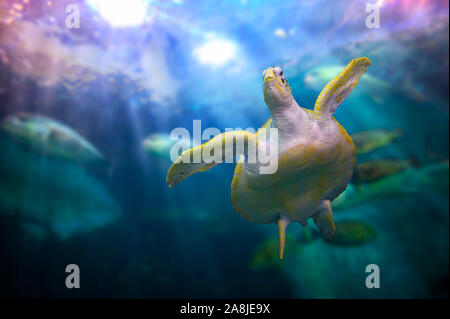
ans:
(57, 196)
(371, 171)
(49, 137)
(50, 55)
(409, 182)
(369, 141)
(423, 45)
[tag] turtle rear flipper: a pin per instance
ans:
(337, 90)
(323, 218)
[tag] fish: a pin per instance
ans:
(161, 145)
(158, 144)
(372, 86)
(377, 169)
(349, 233)
(368, 141)
(410, 182)
(352, 233)
(317, 77)
(49, 137)
(51, 196)
(266, 256)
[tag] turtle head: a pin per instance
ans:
(277, 92)
(20, 124)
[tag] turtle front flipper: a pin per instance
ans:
(212, 153)
(323, 218)
(337, 90)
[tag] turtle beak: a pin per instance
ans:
(269, 77)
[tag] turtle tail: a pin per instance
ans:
(283, 222)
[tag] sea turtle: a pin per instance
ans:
(49, 137)
(316, 157)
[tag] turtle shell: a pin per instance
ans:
(309, 171)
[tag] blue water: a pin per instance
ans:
(115, 84)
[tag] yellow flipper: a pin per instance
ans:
(267, 124)
(337, 90)
(323, 218)
(212, 153)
